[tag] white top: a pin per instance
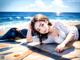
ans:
(63, 32)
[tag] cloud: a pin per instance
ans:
(36, 6)
(39, 6)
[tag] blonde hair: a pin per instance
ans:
(40, 17)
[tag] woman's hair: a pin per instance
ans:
(39, 17)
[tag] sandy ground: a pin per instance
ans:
(4, 29)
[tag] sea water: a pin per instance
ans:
(11, 19)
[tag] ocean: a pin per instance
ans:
(12, 18)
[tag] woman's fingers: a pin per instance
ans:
(59, 50)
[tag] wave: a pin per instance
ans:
(24, 22)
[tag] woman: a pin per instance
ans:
(54, 32)
(47, 32)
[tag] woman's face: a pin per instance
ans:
(42, 27)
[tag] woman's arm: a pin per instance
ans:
(29, 37)
(29, 34)
(69, 38)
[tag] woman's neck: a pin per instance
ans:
(53, 31)
(50, 29)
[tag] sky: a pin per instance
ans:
(40, 6)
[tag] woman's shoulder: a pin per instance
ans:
(56, 23)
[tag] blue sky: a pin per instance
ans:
(40, 5)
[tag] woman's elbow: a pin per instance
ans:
(29, 39)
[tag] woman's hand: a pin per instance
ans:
(60, 48)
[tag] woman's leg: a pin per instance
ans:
(11, 34)
(78, 27)
(22, 33)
